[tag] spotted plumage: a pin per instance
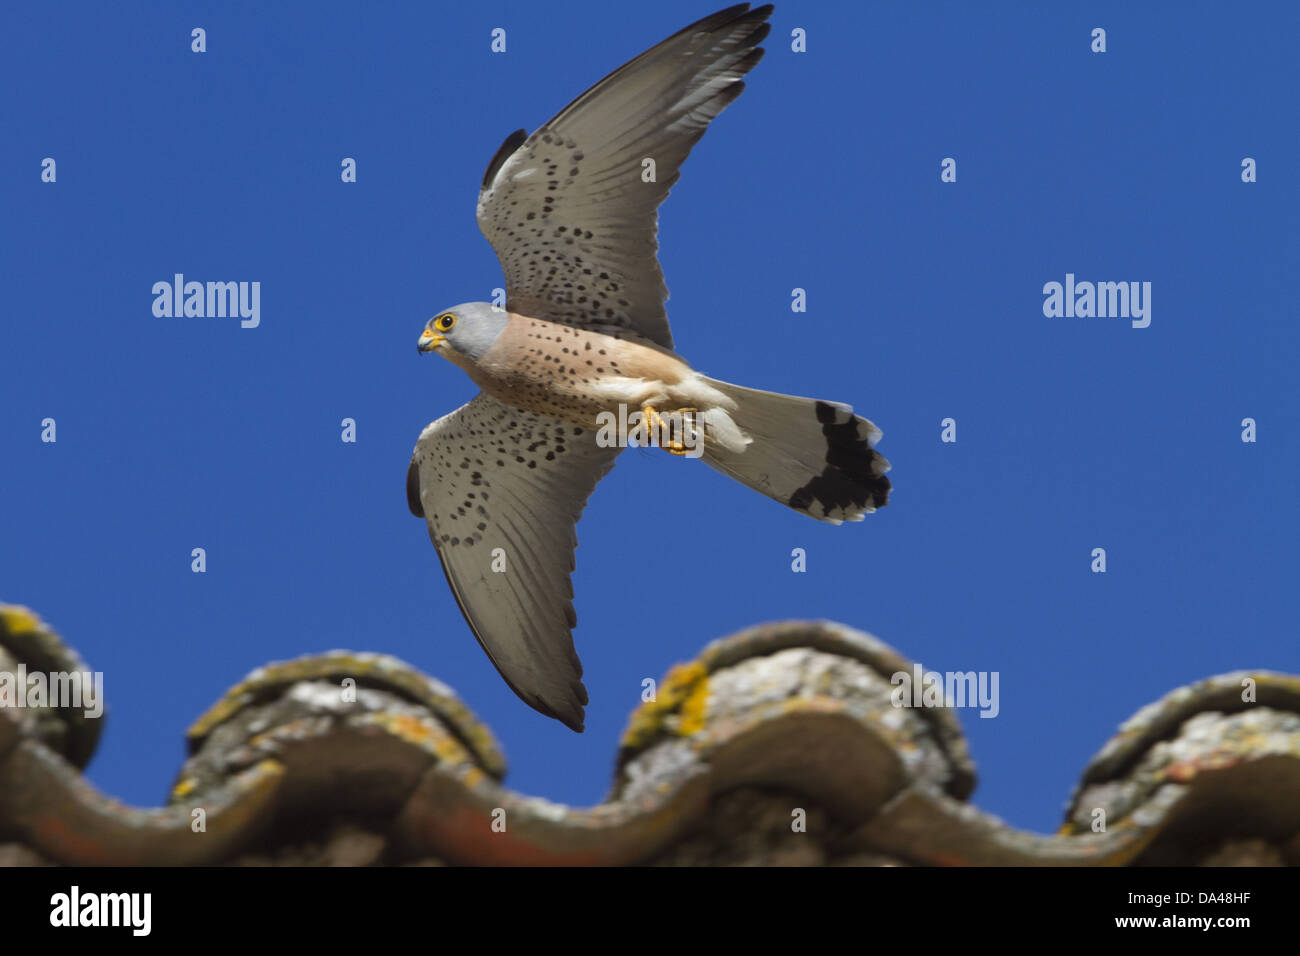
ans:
(505, 491)
(572, 215)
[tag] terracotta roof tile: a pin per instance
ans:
(778, 745)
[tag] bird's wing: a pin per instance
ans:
(568, 209)
(489, 476)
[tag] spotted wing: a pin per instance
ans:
(501, 490)
(569, 209)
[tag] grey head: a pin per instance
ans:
(464, 331)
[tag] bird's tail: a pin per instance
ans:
(813, 456)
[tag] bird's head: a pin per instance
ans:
(463, 332)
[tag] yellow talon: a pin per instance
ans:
(674, 446)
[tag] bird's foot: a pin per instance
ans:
(673, 440)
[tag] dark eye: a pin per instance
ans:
(444, 322)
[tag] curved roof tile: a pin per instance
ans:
(779, 744)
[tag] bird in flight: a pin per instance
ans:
(583, 338)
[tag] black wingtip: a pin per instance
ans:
(575, 718)
(724, 18)
(413, 489)
(732, 13)
(512, 143)
(573, 713)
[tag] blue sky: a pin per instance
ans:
(924, 299)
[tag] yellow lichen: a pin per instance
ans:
(383, 671)
(693, 707)
(18, 620)
(685, 689)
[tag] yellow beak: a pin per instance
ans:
(430, 340)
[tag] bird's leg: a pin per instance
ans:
(690, 426)
(674, 446)
(652, 422)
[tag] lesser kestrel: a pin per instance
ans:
(583, 340)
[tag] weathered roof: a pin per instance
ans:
(777, 745)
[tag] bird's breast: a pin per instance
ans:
(573, 374)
